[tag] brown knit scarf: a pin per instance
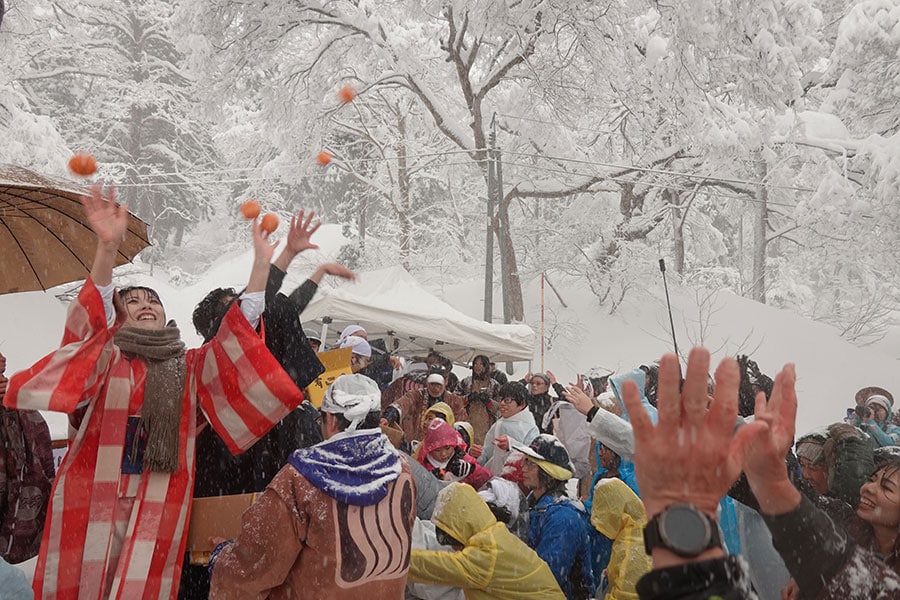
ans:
(166, 373)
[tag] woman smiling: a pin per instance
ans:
(878, 527)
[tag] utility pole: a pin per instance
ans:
(498, 190)
(489, 242)
(504, 259)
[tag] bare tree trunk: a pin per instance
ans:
(363, 208)
(513, 304)
(758, 288)
(674, 198)
(403, 185)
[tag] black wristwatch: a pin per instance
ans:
(684, 529)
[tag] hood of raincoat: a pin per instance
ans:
(352, 467)
(443, 409)
(618, 514)
(616, 508)
(439, 434)
(461, 512)
(639, 377)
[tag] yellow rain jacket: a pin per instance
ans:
(619, 514)
(494, 564)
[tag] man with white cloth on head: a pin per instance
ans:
(335, 522)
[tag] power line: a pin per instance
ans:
(360, 161)
(152, 184)
(747, 182)
(645, 183)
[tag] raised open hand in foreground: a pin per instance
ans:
(692, 455)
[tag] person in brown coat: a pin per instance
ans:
(407, 411)
(336, 521)
(481, 393)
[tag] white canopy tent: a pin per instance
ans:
(391, 305)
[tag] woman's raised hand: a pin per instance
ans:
(108, 219)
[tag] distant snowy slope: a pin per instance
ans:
(580, 337)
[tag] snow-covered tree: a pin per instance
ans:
(109, 71)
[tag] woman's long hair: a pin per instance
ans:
(886, 459)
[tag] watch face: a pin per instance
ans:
(685, 530)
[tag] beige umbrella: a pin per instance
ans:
(45, 237)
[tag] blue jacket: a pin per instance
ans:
(558, 532)
(883, 433)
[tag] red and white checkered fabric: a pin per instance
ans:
(242, 390)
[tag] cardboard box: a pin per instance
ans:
(218, 516)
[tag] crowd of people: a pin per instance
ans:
(408, 482)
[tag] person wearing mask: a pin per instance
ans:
(557, 525)
(343, 510)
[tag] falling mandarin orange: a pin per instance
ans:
(347, 94)
(250, 209)
(323, 158)
(83, 163)
(269, 222)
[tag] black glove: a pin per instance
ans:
(460, 467)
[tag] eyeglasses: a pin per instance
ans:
(508, 400)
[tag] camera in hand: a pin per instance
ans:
(863, 412)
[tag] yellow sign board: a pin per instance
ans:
(336, 362)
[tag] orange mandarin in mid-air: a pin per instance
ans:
(250, 209)
(323, 158)
(269, 222)
(83, 163)
(347, 94)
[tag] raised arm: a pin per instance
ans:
(109, 221)
(263, 249)
(299, 238)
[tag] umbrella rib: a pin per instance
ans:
(25, 254)
(14, 193)
(50, 231)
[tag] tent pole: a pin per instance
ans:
(324, 332)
